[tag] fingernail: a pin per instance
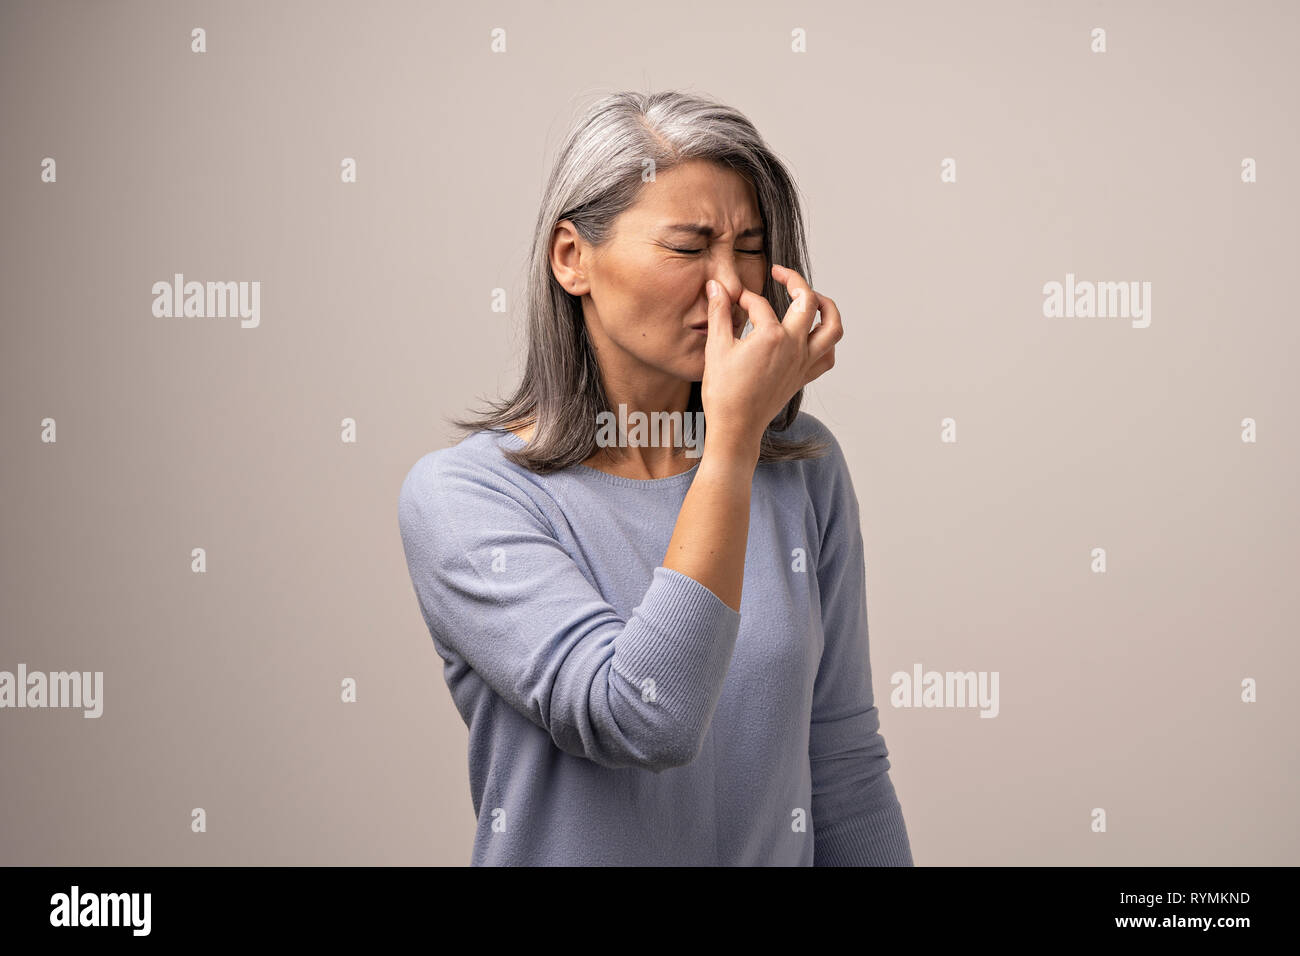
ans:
(712, 287)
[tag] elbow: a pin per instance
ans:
(629, 731)
(676, 746)
(656, 748)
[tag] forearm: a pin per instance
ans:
(712, 530)
(875, 834)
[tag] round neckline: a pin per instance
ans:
(623, 482)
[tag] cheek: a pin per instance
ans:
(633, 300)
(671, 289)
(754, 275)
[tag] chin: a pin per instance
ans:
(692, 371)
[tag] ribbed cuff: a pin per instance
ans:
(876, 839)
(681, 636)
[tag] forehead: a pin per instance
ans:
(697, 192)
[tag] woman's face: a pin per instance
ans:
(643, 289)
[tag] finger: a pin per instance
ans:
(721, 333)
(821, 366)
(758, 309)
(803, 301)
(829, 331)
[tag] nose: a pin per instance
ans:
(723, 270)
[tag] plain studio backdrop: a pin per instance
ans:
(1173, 446)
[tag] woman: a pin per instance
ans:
(624, 704)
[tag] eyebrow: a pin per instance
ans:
(707, 232)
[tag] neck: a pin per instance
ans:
(633, 455)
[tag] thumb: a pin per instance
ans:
(720, 329)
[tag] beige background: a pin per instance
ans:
(1119, 691)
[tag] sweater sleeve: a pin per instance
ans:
(497, 590)
(857, 819)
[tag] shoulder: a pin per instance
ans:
(477, 453)
(826, 478)
(830, 460)
(470, 479)
(807, 425)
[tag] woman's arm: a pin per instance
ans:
(746, 382)
(857, 819)
(500, 593)
(712, 530)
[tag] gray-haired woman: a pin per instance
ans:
(625, 705)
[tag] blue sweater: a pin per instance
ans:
(619, 712)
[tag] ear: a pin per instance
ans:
(566, 258)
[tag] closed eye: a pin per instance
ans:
(748, 252)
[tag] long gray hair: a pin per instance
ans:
(597, 175)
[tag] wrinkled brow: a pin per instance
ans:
(708, 232)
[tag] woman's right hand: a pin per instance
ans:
(748, 381)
